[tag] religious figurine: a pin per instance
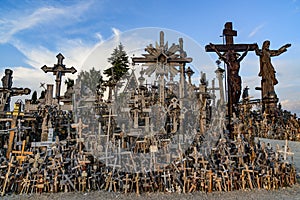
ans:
(245, 93)
(233, 59)
(7, 79)
(267, 71)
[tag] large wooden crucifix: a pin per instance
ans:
(59, 70)
(232, 60)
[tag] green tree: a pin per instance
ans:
(91, 79)
(43, 94)
(120, 66)
(34, 98)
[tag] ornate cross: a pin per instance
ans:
(162, 60)
(59, 70)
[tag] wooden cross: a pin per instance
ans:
(59, 70)
(162, 60)
(36, 161)
(203, 162)
(231, 49)
(195, 155)
(248, 175)
(7, 175)
(209, 176)
(286, 152)
(136, 180)
(135, 112)
(21, 158)
(79, 126)
(83, 162)
(110, 115)
(126, 185)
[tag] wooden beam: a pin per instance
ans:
(235, 47)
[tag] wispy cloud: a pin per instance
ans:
(43, 15)
(290, 105)
(255, 30)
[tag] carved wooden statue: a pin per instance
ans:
(267, 71)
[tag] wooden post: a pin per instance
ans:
(11, 137)
(210, 180)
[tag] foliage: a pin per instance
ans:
(120, 65)
(34, 98)
(91, 79)
(43, 93)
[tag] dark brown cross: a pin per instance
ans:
(229, 33)
(59, 70)
(230, 47)
(8, 91)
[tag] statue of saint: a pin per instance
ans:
(7, 79)
(267, 71)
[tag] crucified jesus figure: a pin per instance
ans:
(232, 60)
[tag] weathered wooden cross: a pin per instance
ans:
(10, 164)
(22, 153)
(59, 70)
(230, 48)
(79, 126)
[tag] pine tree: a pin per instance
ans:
(120, 66)
(43, 94)
(34, 98)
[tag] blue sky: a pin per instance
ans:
(32, 33)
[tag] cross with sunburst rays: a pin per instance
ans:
(163, 60)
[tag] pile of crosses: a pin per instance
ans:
(167, 136)
(280, 124)
(232, 165)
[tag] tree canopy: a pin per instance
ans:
(120, 64)
(91, 79)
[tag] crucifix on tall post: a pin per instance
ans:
(59, 70)
(232, 60)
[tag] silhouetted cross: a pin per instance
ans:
(59, 70)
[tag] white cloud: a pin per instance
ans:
(99, 37)
(116, 32)
(9, 27)
(293, 106)
(255, 30)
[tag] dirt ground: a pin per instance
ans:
(284, 193)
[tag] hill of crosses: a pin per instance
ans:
(154, 128)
